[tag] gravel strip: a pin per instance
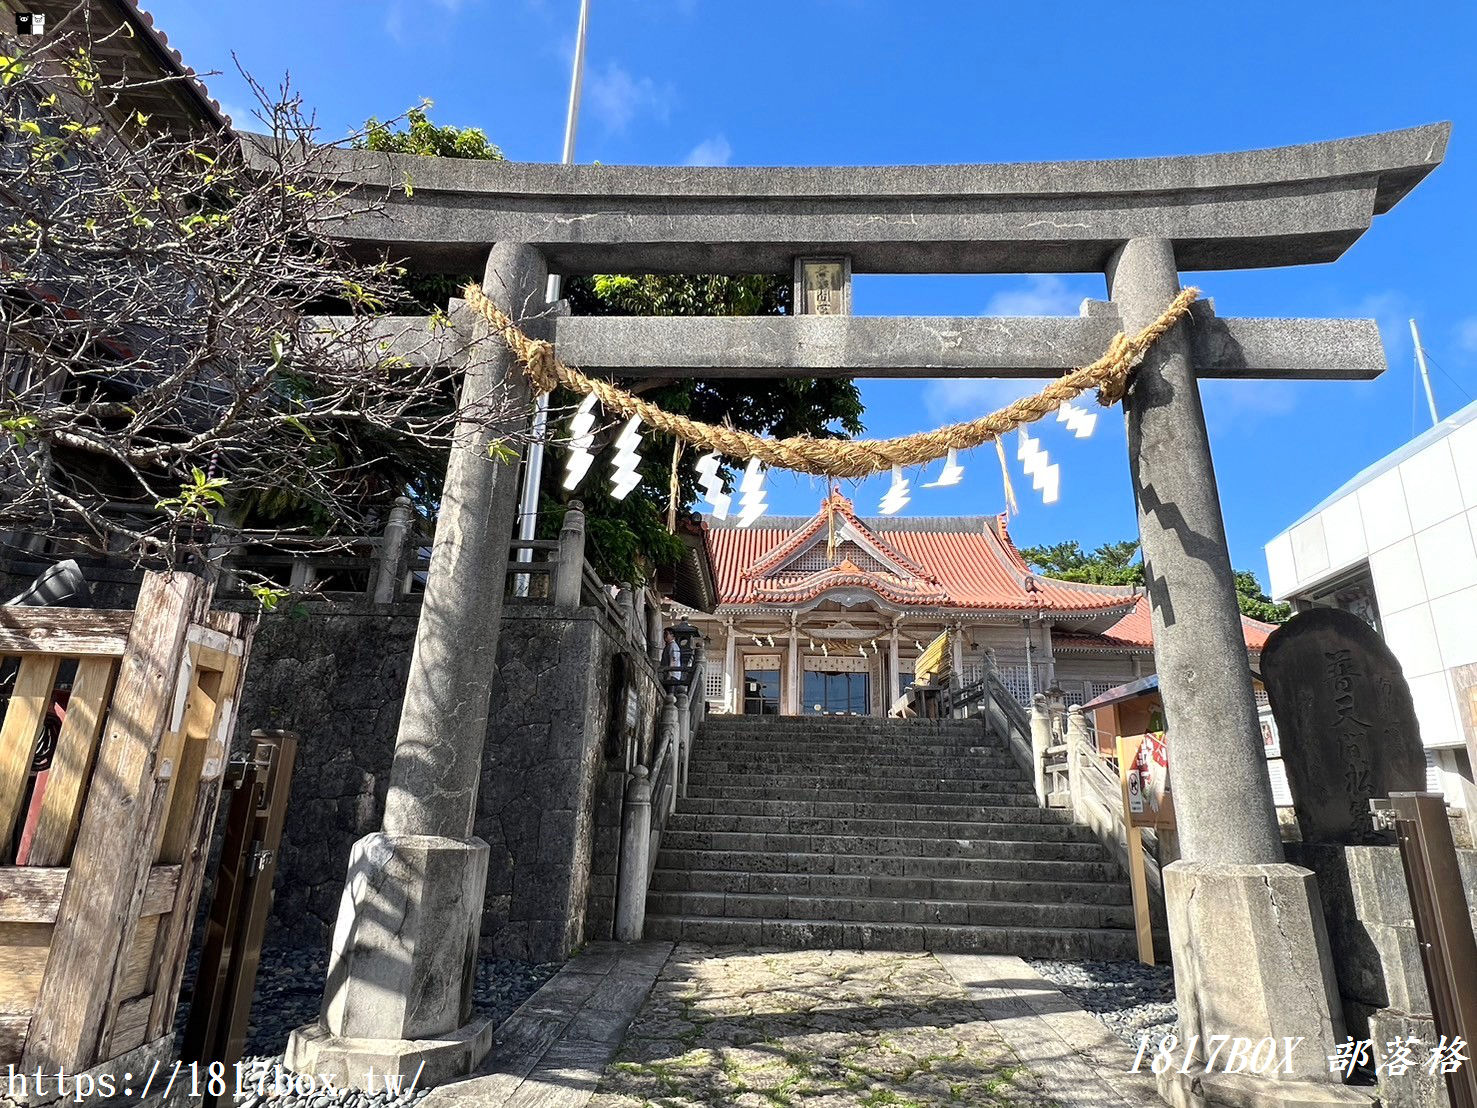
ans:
(289, 992)
(1131, 999)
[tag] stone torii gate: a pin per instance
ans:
(1251, 956)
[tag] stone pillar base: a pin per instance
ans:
(399, 989)
(1251, 961)
(1239, 1090)
(364, 1063)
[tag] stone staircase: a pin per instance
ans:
(879, 834)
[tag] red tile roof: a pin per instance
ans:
(1135, 631)
(938, 564)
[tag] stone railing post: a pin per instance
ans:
(654, 634)
(1079, 739)
(626, 600)
(669, 727)
(570, 576)
(684, 739)
(390, 573)
(1040, 743)
(630, 891)
(699, 685)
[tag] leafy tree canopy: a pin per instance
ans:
(628, 539)
(421, 136)
(1117, 563)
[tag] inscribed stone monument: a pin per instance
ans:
(1348, 727)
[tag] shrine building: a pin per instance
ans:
(827, 615)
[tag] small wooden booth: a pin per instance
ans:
(112, 751)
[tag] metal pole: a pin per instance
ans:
(533, 468)
(1420, 360)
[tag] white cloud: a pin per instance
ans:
(712, 151)
(616, 98)
(1041, 294)
(1392, 310)
(242, 118)
(951, 399)
(395, 22)
(1466, 334)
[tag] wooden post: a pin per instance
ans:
(110, 865)
(24, 718)
(192, 813)
(1138, 880)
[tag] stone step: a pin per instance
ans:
(824, 807)
(835, 723)
(1006, 868)
(1001, 796)
(883, 845)
(1073, 944)
(698, 776)
(966, 775)
(1004, 830)
(921, 888)
(979, 913)
(883, 740)
(801, 743)
(830, 764)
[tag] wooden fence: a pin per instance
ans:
(112, 750)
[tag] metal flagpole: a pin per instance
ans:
(534, 467)
(1420, 360)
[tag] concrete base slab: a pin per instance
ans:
(1236, 1090)
(1251, 961)
(361, 1063)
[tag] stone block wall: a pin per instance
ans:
(1376, 957)
(550, 775)
(549, 804)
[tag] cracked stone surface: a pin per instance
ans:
(820, 1028)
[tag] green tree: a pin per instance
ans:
(421, 136)
(1255, 602)
(1116, 563)
(628, 539)
(1110, 564)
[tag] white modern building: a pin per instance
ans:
(1397, 545)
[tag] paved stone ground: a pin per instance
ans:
(819, 1028)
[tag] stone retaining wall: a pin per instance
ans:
(336, 677)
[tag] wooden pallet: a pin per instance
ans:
(109, 841)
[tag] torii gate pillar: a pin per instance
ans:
(1251, 953)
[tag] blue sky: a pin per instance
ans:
(834, 82)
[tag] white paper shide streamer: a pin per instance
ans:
(1079, 421)
(896, 497)
(752, 497)
(1045, 475)
(951, 474)
(712, 484)
(581, 438)
(623, 474)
